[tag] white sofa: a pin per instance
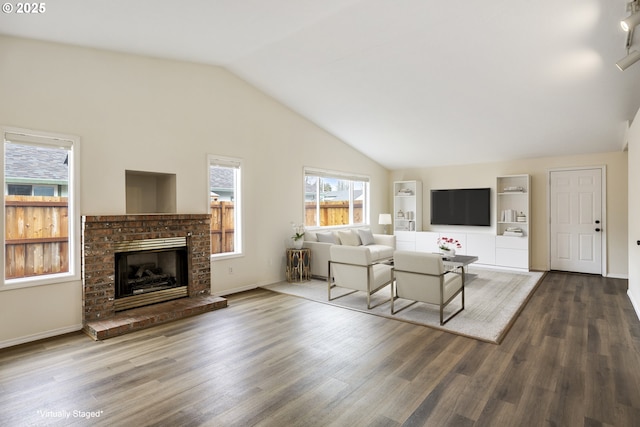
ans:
(381, 246)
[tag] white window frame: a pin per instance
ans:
(72, 144)
(325, 173)
(238, 164)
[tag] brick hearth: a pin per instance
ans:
(100, 233)
(145, 317)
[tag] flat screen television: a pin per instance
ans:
(463, 206)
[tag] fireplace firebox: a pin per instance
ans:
(149, 271)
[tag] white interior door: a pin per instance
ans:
(576, 220)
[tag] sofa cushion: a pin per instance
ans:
(327, 238)
(366, 236)
(349, 238)
(310, 236)
(380, 252)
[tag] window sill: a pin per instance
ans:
(221, 257)
(32, 282)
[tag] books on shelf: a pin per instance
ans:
(513, 231)
(405, 192)
(514, 189)
(511, 215)
(508, 215)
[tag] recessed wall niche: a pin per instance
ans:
(150, 192)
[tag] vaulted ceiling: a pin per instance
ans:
(410, 83)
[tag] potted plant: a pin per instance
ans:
(448, 245)
(298, 235)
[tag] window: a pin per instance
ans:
(31, 190)
(41, 225)
(226, 205)
(335, 199)
(19, 190)
(44, 190)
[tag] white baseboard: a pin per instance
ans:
(40, 336)
(618, 276)
(268, 282)
(235, 290)
(634, 303)
(499, 267)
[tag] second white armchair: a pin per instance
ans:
(421, 276)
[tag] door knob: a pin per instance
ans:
(597, 229)
(597, 221)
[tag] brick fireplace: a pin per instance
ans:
(101, 238)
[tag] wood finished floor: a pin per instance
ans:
(571, 359)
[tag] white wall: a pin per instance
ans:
(145, 114)
(634, 213)
(484, 175)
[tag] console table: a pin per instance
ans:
(298, 265)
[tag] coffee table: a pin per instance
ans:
(459, 261)
(450, 263)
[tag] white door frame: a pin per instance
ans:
(604, 226)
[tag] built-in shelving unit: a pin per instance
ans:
(513, 220)
(407, 213)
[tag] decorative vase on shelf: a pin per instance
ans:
(297, 244)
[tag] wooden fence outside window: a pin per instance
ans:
(36, 236)
(333, 213)
(223, 227)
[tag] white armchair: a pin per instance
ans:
(421, 276)
(351, 267)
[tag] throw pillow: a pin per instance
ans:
(349, 238)
(366, 236)
(326, 238)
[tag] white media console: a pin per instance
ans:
(508, 246)
(491, 250)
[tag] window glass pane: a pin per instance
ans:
(40, 190)
(225, 211)
(19, 190)
(334, 200)
(36, 226)
(334, 205)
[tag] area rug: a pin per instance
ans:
(493, 300)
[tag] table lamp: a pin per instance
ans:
(384, 219)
